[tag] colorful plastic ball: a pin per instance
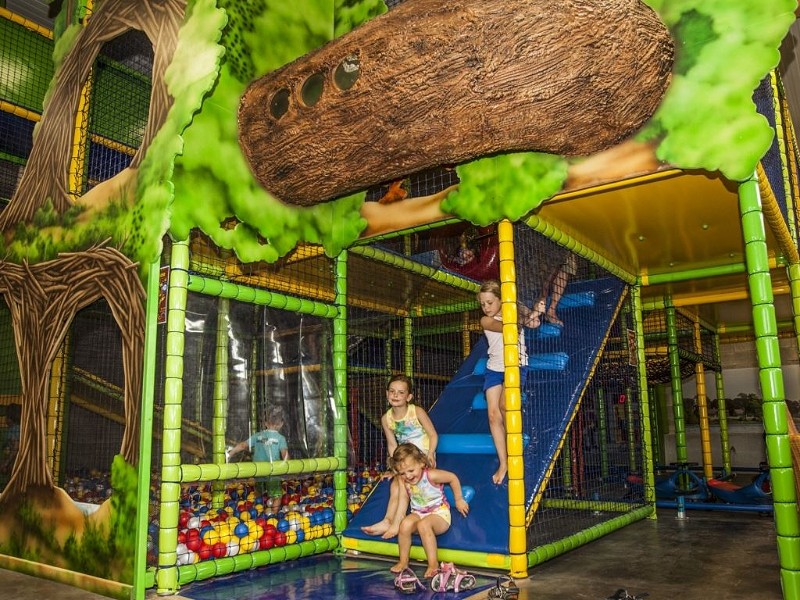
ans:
(194, 544)
(291, 536)
(211, 536)
(241, 530)
(183, 519)
(301, 535)
(283, 525)
(266, 541)
(280, 538)
(220, 549)
(233, 548)
(205, 552)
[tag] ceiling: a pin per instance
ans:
(664, 225)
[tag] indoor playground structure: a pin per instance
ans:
(222, 218)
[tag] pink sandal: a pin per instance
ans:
(449, 578)
(407, 582)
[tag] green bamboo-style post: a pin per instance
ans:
(794, 286)
(406, 264)
(641, 368)
(630, 434)
(566, 462)
(249, 295)
(408, 327)
(602, 431)
(655, 426)
(146, 432)
(702, 404)
(326, 386)
(771, 379)
(722, 411)
(253, 379)
(549, 551)
(408, 346)
(167, 574)
(340, 420)
(675, 378)
(387, 345)
(219, 418)
(660, 417)
(563, 239)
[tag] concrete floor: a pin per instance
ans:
(708, 556)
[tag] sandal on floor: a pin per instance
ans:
(448, 578)
(505, 588)
(407, 582)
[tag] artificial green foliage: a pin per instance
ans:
(189, 78)
(214, 188)
(37, 241)
(240, 24)
(349, 14)
(723, 50)
(102, 551)
(122, 529)
(505, 186)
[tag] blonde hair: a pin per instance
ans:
(491, 286)
(404, 451)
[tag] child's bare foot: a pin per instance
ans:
(391, 532)
(551, 317)
(398, 567)
(430, 571)
(377, 528)
(500, 475)
(534, 318)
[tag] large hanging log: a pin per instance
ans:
(437, 82)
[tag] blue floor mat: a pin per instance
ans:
(318, 577)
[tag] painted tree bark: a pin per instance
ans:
(46, 173)
(43, 300)
(442, 82)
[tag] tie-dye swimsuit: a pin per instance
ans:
(427, 498)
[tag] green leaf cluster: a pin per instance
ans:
(190, 76)
(505, 186)
(723, 50)
(214, 189)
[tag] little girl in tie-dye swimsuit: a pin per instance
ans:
(423, 489)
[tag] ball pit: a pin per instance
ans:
(246, 523)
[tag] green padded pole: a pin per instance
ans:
(794, 287)
(722, 410)
(702, 404)
(340, 421)
(774, 409)
(655, 426)
(675, 377)
(542, 554)
(146, 431)
(630, 434)
(167, 574)
(566, 462)
(219, 418)
(644, 402)
(602, 431)
(253, 382)
(408, 346)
